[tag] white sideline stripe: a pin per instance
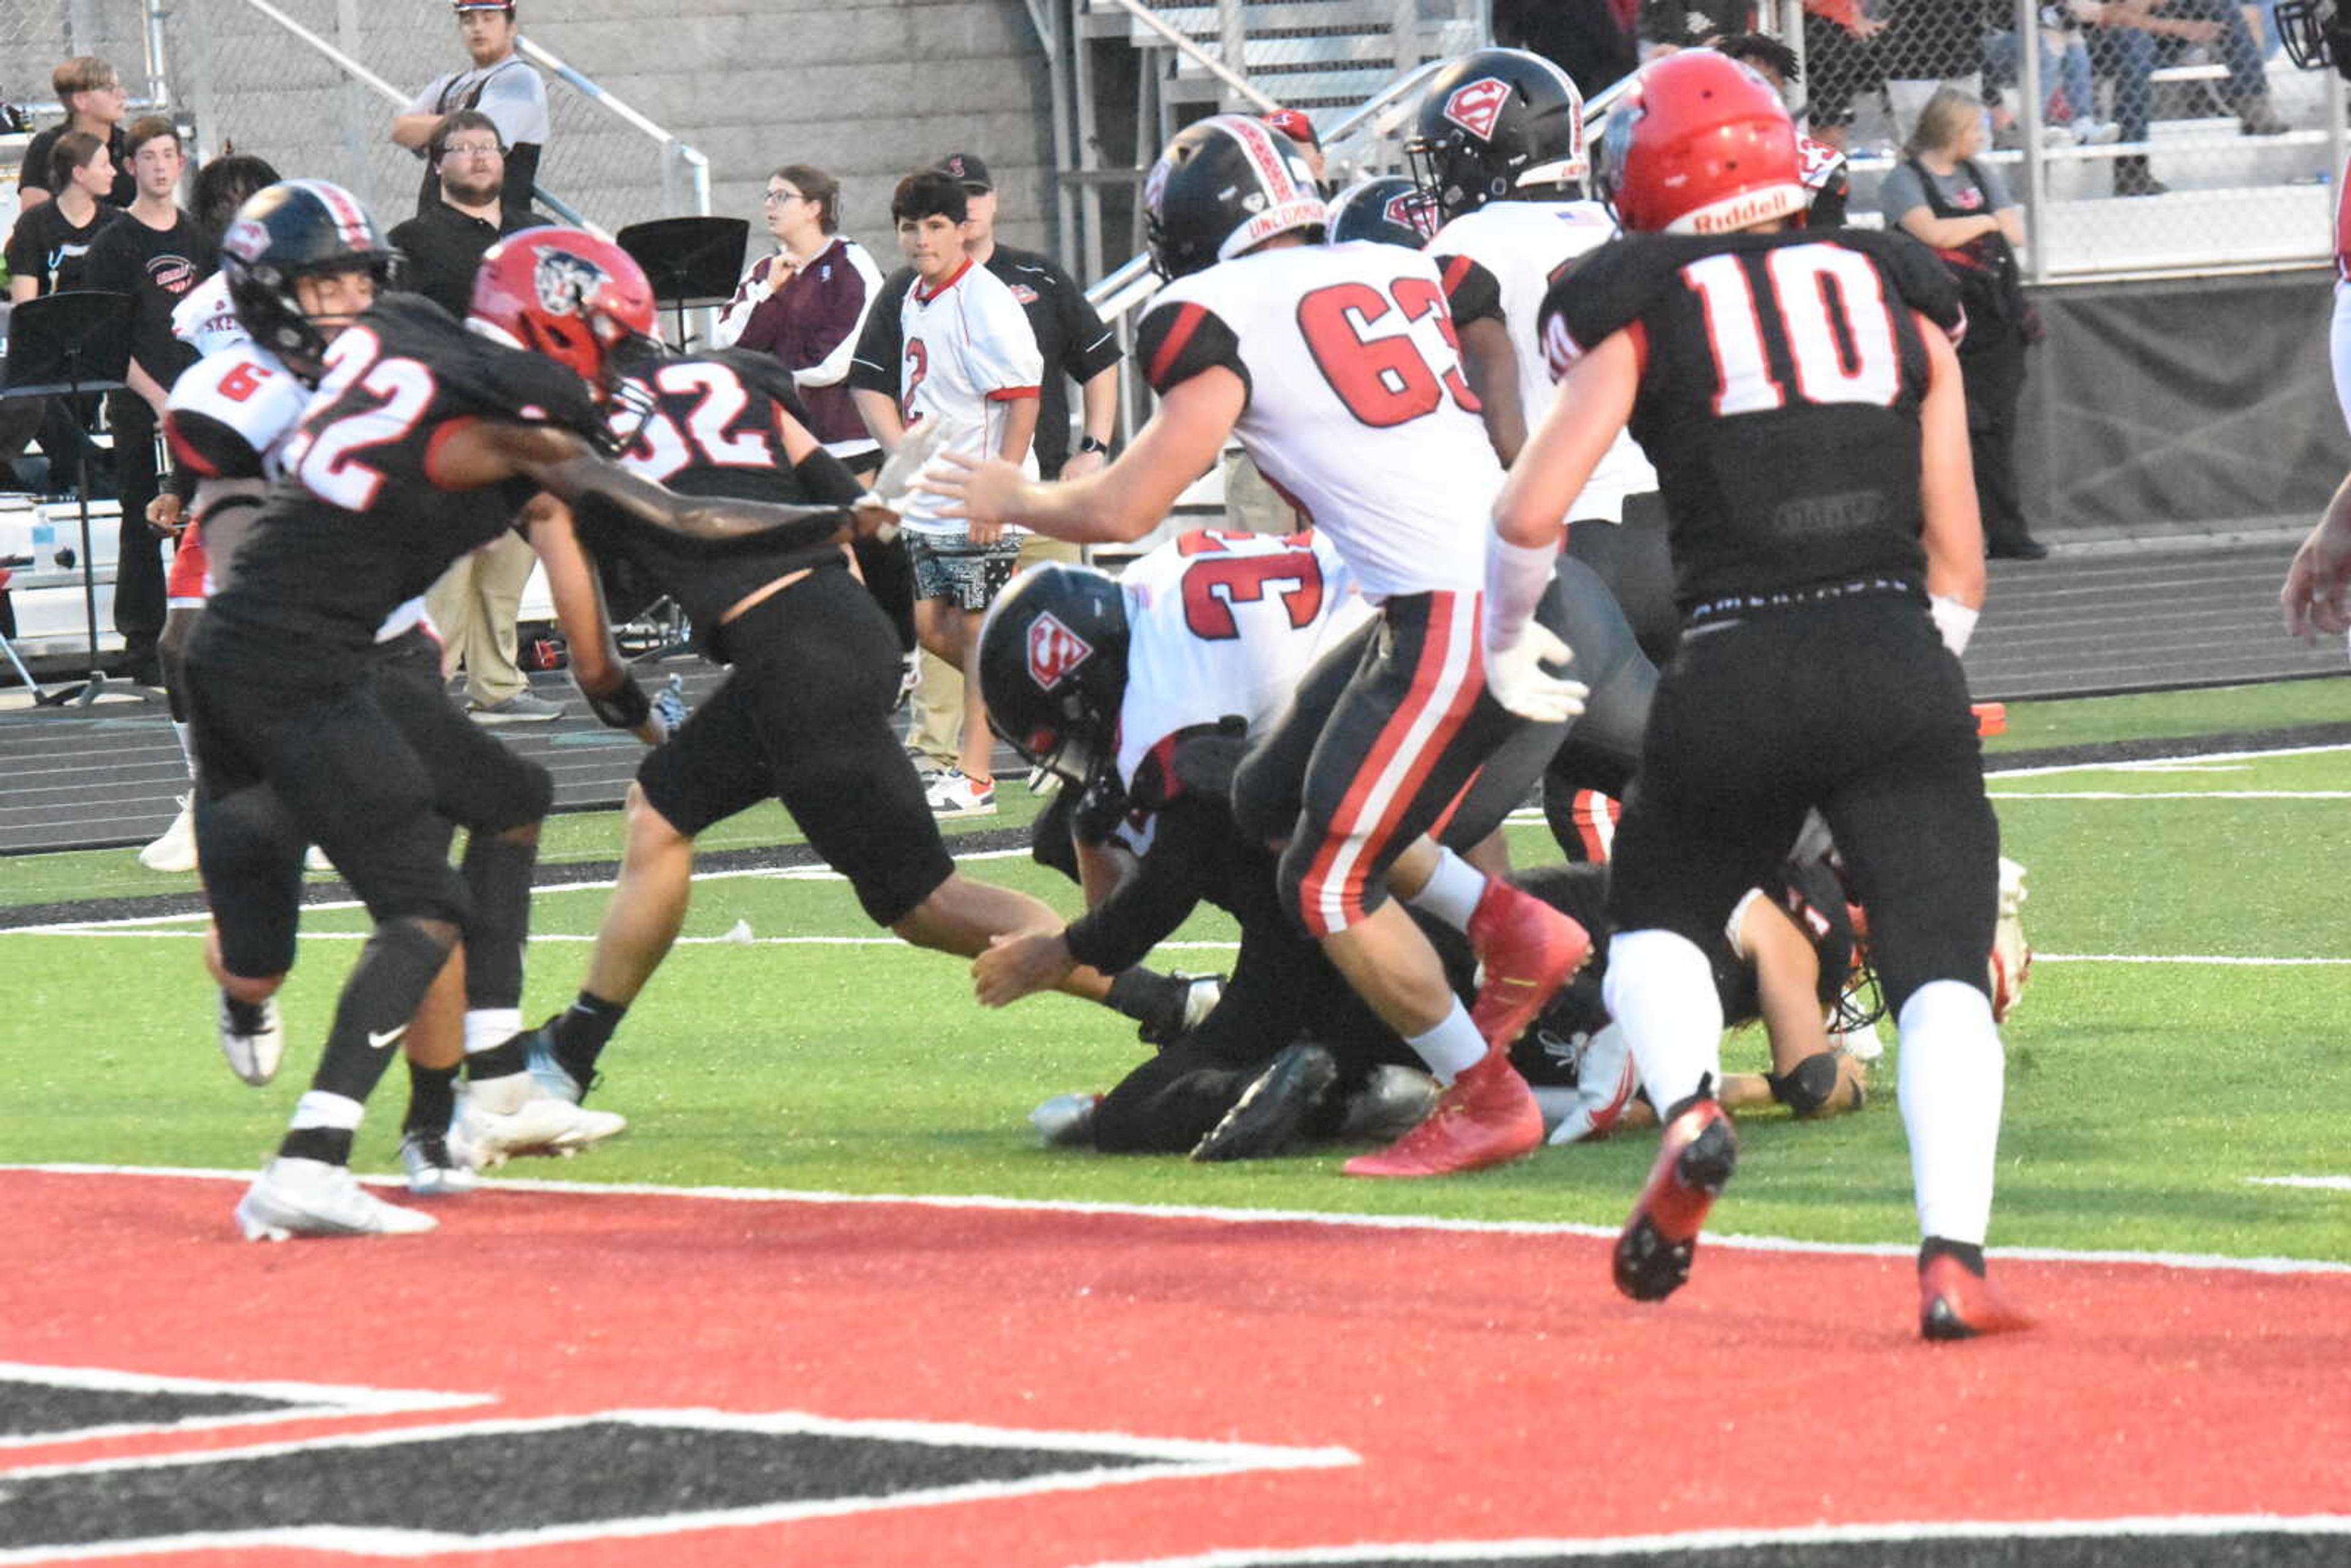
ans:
(2195, 1526)
(538, 936)
(2221, 958)
(2157, 764)
(2323, 1183)
(303, 1401)
(1197, 1212)
(1170, 1458)
(2168, 795)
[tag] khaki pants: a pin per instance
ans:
(474, 605)
(935, 727)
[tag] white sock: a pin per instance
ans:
(187, 745)
(1452, 1047)
(1452, 891)
(316, 1108)
(1951, 1077)
(1661, 989)
(488, 1028)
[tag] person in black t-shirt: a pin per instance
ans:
(93, 99)
(1826, 598)
(47, 249)
(156, 255)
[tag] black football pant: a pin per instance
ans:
(1855, 707)
(1992, 376)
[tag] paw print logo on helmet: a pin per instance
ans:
(566, 293)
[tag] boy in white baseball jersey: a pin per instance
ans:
(970, 360)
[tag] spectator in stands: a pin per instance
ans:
(1842, 62)
(2129, 39)
(46, 251)
(1930, 44)
(478, 599)
(157, 254)
(1943, 196)
(1825, 172)
(805, 304)
(1074, 345)
(1591, 40)
(94, 103)
(442, 246)
(1299, 125)
(500, 84)
(2068, 85)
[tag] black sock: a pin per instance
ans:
(498, 872)
(582, 1031)
(432, 1099)
(504, 1059)
(1969, 1253)
(1143, 995)
(332, 1144)
(395, 969)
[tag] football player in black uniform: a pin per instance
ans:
(803, 716)
(420, 444)
(1802, 399)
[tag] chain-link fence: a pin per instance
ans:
(312, 85)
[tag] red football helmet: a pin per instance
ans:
(1700, 144)
(563, 293)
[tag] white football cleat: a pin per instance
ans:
(251, 1037)
(176, 851)
(314, 859)
(434, 1169)
(1606, 1082)
(510, 1117)
(310, 1198)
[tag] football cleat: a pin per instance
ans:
(434, 1169)
(1265, 1120)
(1955, 1303)
(175, 849)
(314, 859)
(953, 793)
(310, 1198)
(1392, 1101)
(1066, 1121)
(251, 1037)
(504, 1118)
(1695, 1161)
(1606, 1083)
(1487, 1117)
(547, 1069)
(1526, 951)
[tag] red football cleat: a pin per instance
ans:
(1488, 1117)
(1528, 950)
(1956, 1303)
(1695, 1160)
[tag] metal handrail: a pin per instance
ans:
(696, 162)
(1184, 44)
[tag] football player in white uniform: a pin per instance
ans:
(1337, 366)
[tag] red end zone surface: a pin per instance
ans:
(1492, 1386)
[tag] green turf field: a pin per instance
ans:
(2149, 1082)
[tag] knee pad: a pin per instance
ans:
(251, 853)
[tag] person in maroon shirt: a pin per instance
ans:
(806, 303)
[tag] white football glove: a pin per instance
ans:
(1517, 677)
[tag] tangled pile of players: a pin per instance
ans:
(1748, 431)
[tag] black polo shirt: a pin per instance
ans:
(443, 249)
(34, 174)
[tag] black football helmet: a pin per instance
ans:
(1495, 121)
(1391, 210)
(2314, 36)
(1052, 667)
(1224, 185)
(293, 229)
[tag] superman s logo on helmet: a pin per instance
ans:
(1476, 106)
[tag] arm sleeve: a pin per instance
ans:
(1901, 192)
(873, 364)
(25, 259)
(1471, 292)
(831, 338)
(107, 265)
(1165, 886)
(736, 313)
(1180, 339)
(429, 101)
(1998, 197)
(208, 447)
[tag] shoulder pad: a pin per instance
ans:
(1180, 339)
(1471, 291)
(761, 373)
(230, 408)
(1918, 275)
(1605, 290)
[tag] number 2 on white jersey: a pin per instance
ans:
(1839, 333)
